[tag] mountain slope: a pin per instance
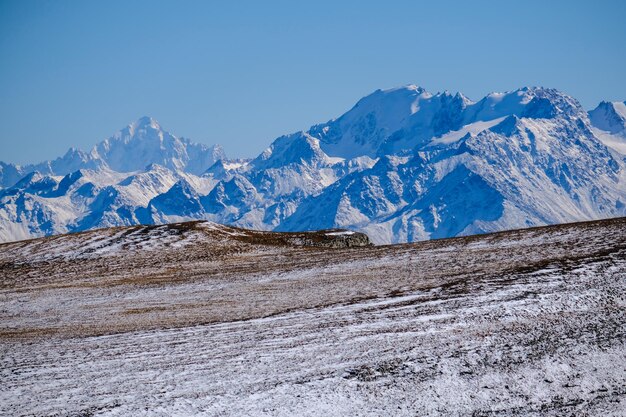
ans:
(224, 321)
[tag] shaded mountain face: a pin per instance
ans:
(610, 117)
(401, 165)
(608, 122)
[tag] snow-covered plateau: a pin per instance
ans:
(402, 165)
(209, 320)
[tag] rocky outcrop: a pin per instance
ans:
(333, 238)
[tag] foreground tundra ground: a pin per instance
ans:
(202, 319)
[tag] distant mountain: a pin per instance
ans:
(131, 149)
(144, 142)
(402, 165)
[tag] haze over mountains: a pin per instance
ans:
(401, 165)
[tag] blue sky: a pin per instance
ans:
(243, 73)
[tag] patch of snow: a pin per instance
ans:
(472, 129)
(342, 233)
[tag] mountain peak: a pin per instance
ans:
(609, 116)
(297, 148)
(144, 122)
(144, 142)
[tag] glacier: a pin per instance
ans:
(402, 165)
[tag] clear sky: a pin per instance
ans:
(242, 73)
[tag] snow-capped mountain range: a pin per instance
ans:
(402, 165)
